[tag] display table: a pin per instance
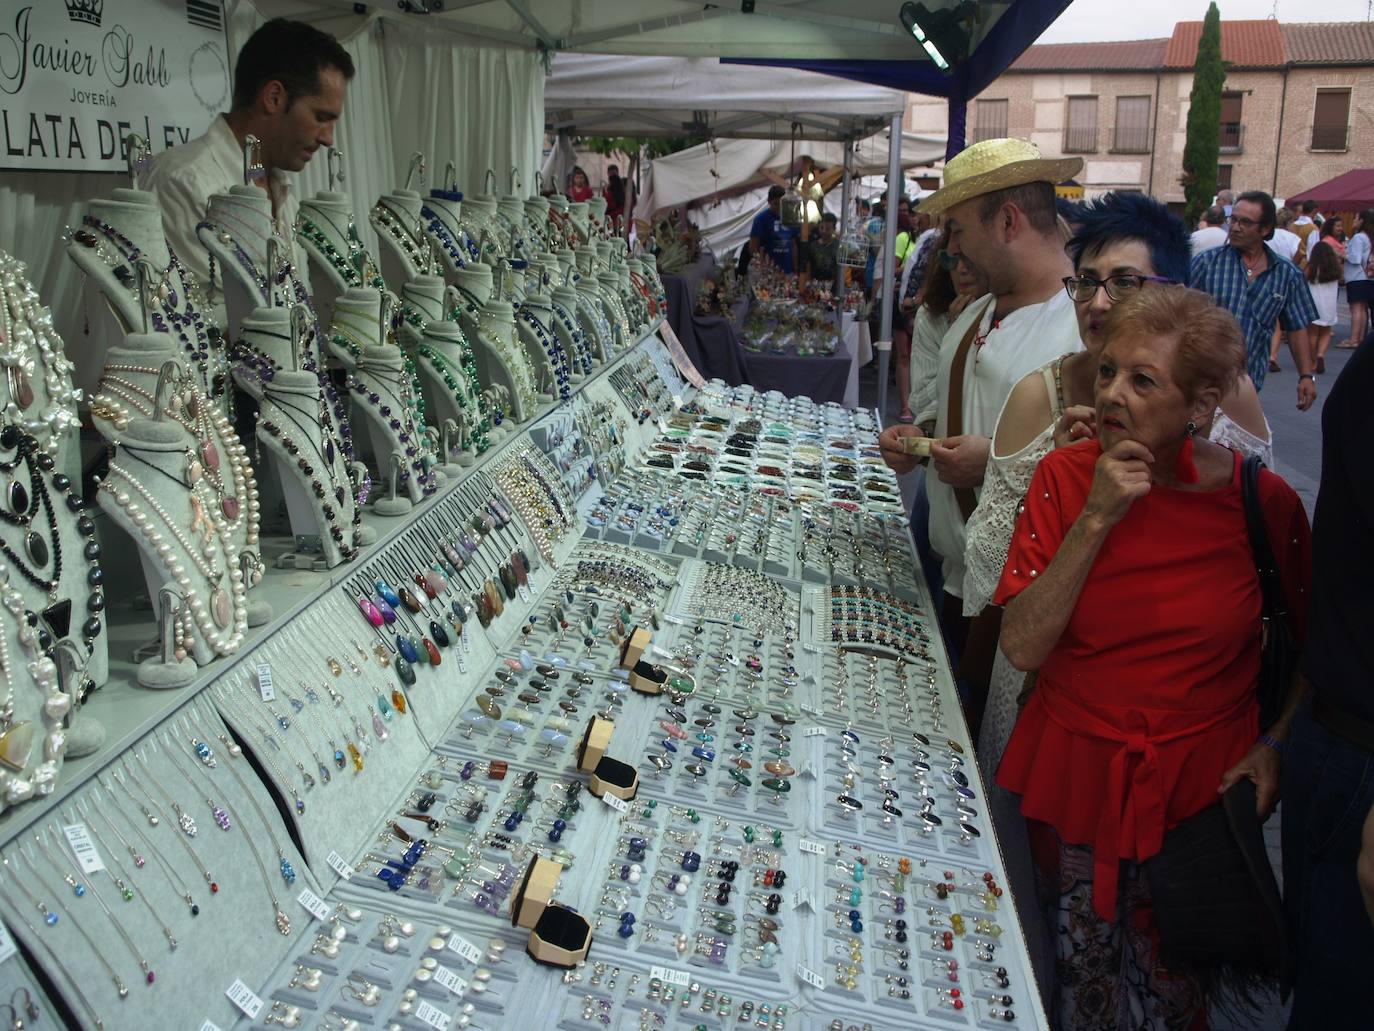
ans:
(709, 340)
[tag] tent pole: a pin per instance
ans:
(894, 181)
(844, 231)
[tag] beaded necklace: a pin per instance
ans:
(356, 268)
(580, 359)
(26, 334)
(460, 252)
(513, 357)
(553, 349)
(399, 415)
(409, 238)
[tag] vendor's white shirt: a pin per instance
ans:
(186, 177)
(1023, 341)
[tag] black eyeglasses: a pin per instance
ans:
(1118, 287)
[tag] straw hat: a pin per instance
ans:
(996, 165)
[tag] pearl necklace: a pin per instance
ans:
(225, 624)
(27, 335)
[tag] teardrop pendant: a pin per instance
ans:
(356, 756)
(378, 727)
(398, 700)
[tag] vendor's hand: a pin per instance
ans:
(961, 461)
(1307, 393)
(1079, 422)
(1262, 765)
(1121, 479)
(890, 442)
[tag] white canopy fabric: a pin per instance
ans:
(615, 95)
(723, 166)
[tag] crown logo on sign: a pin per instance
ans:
(88, 11)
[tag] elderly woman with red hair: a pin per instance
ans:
(1130, 586)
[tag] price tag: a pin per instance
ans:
(814, 847)
(467, 642)
(7, 946)
(802, 899)
(209, 1025)
(242, 996)
(446, 978)
(314, 905)
(812, 978)
(265, 687)
(811, 710)
(338, 865)
(814, 732)
(83, 848)
(431, 1015)
(618, 804)
(524, 593)
(462, 663)
(677, 978)
(464, 948)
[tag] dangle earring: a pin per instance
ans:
(1184, 469)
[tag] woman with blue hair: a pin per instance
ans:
(1122, 243)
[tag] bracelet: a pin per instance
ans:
(1307, 375)
(1272, 742)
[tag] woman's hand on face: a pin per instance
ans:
(1263, 766)
(1079, 422)
(1122, 478)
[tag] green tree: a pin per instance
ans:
(1203, 144)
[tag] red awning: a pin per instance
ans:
(1353, 191)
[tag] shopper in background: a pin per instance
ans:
(1226, 201)
(1328, 769)
(1333, 233)
(769, 237)
(1304, 225)
(1285, 242)
(872, 222)
(1324, 280)
(1213, 230)
(614, 194)
(822, 251)
(579, 188)
(1359, 287)
(1259, 288)
(999, 204)
(289, 85)
(1130, 587)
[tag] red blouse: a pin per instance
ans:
(1149, 695)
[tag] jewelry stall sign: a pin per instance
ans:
(77, 77)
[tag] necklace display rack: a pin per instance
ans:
(448, 376)
(386, 395)
(503, 362)
(442, 216)
(39, 397)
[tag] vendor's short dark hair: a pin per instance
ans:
(1036, 201)
(290, 52)
(774, 192)
(1268, 213)
(830, 216)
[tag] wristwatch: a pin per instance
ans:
(1306, 375)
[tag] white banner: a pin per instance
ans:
(78, 76)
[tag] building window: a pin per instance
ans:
(1223, 177)
(990, 120)
(1132, 133)
(1331, 120)
(1232, 128)
(1080, 131)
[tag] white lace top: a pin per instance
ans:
(1008, 478)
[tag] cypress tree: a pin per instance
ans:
(1203, 144)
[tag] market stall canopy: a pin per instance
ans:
(615, 95)
(847, 30)
(1353, 191)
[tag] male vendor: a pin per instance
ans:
(289, 84)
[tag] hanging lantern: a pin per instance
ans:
(792, 208)
(852, 251)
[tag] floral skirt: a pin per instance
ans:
(1107, 977)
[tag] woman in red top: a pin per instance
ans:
(1130, 585)
(579, 189)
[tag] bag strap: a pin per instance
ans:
(1266, 566)
(954, 406)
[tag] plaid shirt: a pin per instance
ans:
(1278, 294)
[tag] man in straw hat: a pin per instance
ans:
(998, 201)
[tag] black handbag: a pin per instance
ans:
(1279, 652)
(1216, 901)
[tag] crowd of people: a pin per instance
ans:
(1153, 644)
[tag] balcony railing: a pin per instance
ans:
(1080, 139)
(1131, 140)
(1330, 137)
(1232, 137)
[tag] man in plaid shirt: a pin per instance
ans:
(1258, 287)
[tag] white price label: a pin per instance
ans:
(314, 905)
(814, 847)
(462, 662)
(446, 978)
(814, 732)
(677, 978)
(7, 946)
(618, 804)
(338, 865)
(431, 1015)
(802, 898)
(242, 996)
(812, 978)
(524, 593)
(470, 952)
(467, 642)
(209, 1025)
(265, 687)
(83, 848)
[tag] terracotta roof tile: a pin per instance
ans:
(1337, 43)
(1131, 55)
(1244, 44)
